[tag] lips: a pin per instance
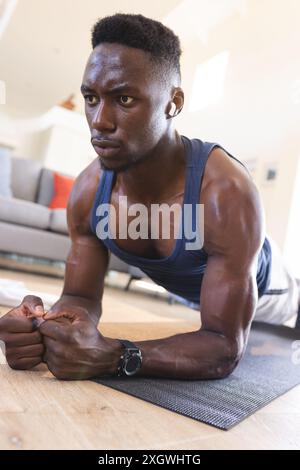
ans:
(104, 143)
(106, 148)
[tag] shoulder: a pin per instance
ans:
(233, 212)
(222, 171)
(82, 198)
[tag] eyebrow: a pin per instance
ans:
(85, 88)
(117, 89)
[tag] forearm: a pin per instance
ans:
(92, 306)
(195, 355)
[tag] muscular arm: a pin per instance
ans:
(88, 259)
(234, 229)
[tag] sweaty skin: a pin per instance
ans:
(149, 159)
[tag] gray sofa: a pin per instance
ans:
(29, 229)
(27, 226)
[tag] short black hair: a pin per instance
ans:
(142, 33)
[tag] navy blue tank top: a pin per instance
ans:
(180, 273)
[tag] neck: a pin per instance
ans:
(155, 175)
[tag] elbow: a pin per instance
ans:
(215, 369)
(228, 361)
(226, 368)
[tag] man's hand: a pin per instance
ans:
(75, 349)
(18, 330)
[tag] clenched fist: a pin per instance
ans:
(18, 330)
(74, 348)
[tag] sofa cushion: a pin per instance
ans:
(33, 242)
(62, 189)
(25, 178)
(5, 173)
(46, 187)
(17, 211)
(58, 221)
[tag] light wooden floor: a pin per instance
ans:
(39, 412)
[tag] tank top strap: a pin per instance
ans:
(197, 155)
(102, 195)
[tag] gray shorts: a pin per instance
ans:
(280, 303)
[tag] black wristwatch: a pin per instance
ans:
(131, 359)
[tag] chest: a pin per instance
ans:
(150, 231)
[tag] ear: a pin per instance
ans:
(177, 102)
(172, 110)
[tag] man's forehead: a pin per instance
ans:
(106, 77)
(111, 64)
(118, 59)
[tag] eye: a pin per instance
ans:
(125, 100)
(90, 99)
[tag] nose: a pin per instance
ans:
(103, 119)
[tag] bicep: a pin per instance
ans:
(228, 298)
(234, 236)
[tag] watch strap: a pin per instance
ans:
(128, 344)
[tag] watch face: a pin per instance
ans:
(133, 363)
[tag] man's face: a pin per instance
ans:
(125, 104)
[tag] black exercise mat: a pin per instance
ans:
(270, 367)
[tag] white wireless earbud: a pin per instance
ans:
(173, 110)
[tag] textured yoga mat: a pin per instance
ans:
(270, 367)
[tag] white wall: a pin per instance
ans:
(258, 115)
(292, 244)
(59, 139)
